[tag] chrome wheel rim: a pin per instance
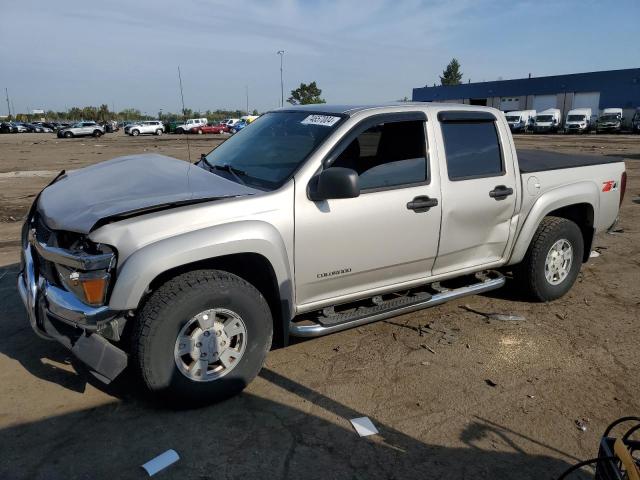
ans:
(210, 345)
(558, 263)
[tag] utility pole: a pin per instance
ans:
(247, 92)
(6, 92)
(281, 53)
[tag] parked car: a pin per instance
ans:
(548, 121)
(200, 276)
(210, 128)
(231, 122)
(635, 121)
(520, 121)
(154, 127)
(81, 129)
(189, 124)
(6, 127)
(19, 127)
(610, 121)
(579, 120)
(238, 126)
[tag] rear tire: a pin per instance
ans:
(68, 134)
(135, 133)
(171, 310)
(97, 133)
(179, 131)
(553, 260)
(159, 132)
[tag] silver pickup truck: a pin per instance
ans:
(309, 221)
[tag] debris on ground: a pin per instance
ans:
(594, 254)
(425, 364)
(581, 424)
(490, 382)
(161, 462)
(363, 426)
(503, 317)
(427, 347)
(616, 231)
(336, 349)
(531, 396)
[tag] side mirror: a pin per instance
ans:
(335, 182)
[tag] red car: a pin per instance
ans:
(210, 128)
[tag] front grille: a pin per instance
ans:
(45, 235)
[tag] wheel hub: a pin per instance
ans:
(210, 344)
(558, 262)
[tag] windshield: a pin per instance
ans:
(544, 118)
(575, 118)
(513, 118)
(266, 152)
(611, 117)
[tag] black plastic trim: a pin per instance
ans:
(465, 116)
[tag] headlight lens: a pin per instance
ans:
(90, 287)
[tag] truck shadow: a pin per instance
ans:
(297, 432)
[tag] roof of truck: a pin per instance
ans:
(338, 109)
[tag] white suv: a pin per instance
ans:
(155, 127)
(191, 123)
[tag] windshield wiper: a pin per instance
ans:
(232, 170)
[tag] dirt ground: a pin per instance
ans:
(461, 398)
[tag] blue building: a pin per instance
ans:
(596, 90)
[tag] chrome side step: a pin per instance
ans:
(318, 330)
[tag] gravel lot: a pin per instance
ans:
(461, 397)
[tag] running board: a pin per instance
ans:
(445, 295)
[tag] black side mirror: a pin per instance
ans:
(335, 182)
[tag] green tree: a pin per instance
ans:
(452, 74)
(103, 112)
(306, 94)
(255, 112)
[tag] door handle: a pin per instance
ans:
(501, 192)
(422, 204)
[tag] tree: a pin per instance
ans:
(255, 112)
(306, 94)
(452, 74)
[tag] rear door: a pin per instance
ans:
(478, 190)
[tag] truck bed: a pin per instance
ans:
(541, 161)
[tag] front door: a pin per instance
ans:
(479, 191)
(346, 248)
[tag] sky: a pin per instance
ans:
(59, 54)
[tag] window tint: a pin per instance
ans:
(387, 155)
(472, 150)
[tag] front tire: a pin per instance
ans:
(201, 337)
(553, 260)
(97, 133)
(68, 134)
(159, 132)
(135, 133)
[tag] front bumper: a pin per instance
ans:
(56, 314)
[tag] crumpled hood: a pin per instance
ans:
(80, 199)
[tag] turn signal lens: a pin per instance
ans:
(94, 289)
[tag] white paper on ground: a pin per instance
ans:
(364, 426)
(161, 462)
(594, 254)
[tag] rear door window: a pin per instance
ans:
(472, 150)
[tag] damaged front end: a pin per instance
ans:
(64, 283)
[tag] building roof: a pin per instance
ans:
(618, 88)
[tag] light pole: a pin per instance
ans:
(281, 53)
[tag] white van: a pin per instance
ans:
(548, 120)
(610, 121)
(520, 120)
(578, 120)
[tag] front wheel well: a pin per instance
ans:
(582, 215)
(252, 267)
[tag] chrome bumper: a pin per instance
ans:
(51, 310)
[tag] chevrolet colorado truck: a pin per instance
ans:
(311, 220)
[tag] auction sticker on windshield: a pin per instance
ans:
(324, 120)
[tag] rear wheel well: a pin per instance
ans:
(582, 215)
(252, 267)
